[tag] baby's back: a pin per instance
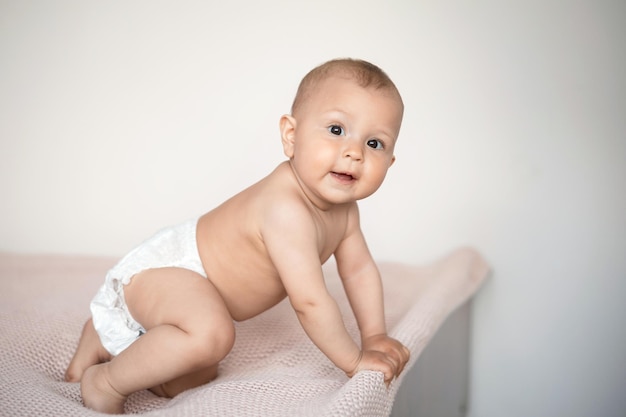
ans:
(233, 253)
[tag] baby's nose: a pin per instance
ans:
(353, 151)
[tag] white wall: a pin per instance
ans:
(117, 118)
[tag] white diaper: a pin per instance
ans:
(172, 247)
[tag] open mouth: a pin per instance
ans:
(343, 176)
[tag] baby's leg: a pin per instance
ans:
(89, 352)
(188, 331)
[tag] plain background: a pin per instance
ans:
(118, 118)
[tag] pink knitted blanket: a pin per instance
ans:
(273, 370)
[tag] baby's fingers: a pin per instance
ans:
(391, 368)
(404, 358)
(378, 361)
(389, 373)
(399, 357)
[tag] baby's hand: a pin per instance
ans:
(396, 352)
(373, 360)
(384, 354)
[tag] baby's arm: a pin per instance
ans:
(363, 287)
(290, 236)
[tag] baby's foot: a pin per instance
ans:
(98, 394)
(89, 352)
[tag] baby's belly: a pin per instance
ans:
(245, 301)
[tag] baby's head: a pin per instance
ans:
(342, 131)
(365, 74)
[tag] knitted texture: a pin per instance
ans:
(273, 369)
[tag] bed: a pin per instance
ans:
(273, 370)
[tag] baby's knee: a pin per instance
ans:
(223, 337)
(213, 342)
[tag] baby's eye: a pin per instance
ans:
(375, 144)
(336, 130)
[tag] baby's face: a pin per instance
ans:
(344, 140)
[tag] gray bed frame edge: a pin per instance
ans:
(438, 384)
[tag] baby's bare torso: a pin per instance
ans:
(231, 247)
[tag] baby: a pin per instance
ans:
(163, 319)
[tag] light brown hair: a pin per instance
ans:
(365, 74)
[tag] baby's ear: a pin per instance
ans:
(288, 134)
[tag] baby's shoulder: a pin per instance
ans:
(280, 187)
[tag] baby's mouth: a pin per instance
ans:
(342, 176)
